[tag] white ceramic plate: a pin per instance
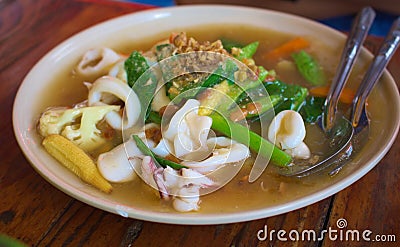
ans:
(144, 24)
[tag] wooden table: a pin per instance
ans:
(38, 214)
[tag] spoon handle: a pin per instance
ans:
(375, 70)
(358, 33)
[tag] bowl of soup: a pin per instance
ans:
(58, 86)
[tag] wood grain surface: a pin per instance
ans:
(36, 213)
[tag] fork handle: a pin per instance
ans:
(375, 70)
(358, 33)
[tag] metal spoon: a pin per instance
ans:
(337, 128)
(359, 118)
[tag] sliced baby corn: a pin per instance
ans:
(76, 160)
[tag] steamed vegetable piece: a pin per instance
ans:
(258, 107)
(181, 86)
(137, 68)
(346, 96)
(254, 102)
(76, 160)
(312, 109)
(226, 94)
(221, 96)
(83, 133)
(247, 137)
(159, 161)
(214, 98)
(222, 83)
(263, 73)
(223, 72)
(288, 48)
(154, 117)
(309, 68)
(228, 44)
(282, 97)
(293, 96)
(246, 52)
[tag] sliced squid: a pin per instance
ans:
(187, 130)
(163, 148)
(182, 186)
(108, 99)
(97, 62)
(187, 194)
(147, 169)
(118, 164)
(118, 71)
(171, 178)
(227, 151)
(162, 187)
(192, 177)
(287, 130)
(188, 199)
(300, 152)
(111, 85)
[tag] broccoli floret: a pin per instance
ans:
(76, 124)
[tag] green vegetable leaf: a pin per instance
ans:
(293, 96)
(225, 71)
(262, 73)
(135, 66)
(142, 79)
(248, 51)
(266, 105)
(309, 68)
(312, 109)
(154, 117)
(179, 91)
(228, 44)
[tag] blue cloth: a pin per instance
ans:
(380, 27)
(160, 3)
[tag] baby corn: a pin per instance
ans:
(76, 160)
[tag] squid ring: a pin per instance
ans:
(118, 88)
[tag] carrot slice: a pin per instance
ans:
(346, 96)
(288, 48)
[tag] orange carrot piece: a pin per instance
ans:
(288, 48)
(346, 96)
